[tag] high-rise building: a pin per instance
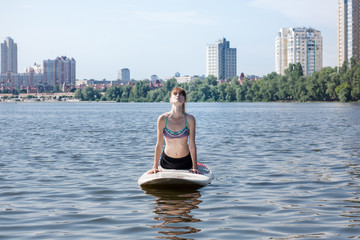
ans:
(154, 77)
(124, 74)
(348, 30)
(221, 60)
(60, 71)
(9, 56)
(298, 45)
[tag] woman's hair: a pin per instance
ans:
(181, 91)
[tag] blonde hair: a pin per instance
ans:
(180, 91)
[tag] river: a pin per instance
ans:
(282, 171)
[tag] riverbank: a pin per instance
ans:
(70, 97)
(38, 97)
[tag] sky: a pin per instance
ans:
(159, 37)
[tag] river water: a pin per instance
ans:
(282, 171)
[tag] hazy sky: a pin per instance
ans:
(159, 36)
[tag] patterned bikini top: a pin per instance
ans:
(180, 134)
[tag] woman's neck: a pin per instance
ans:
(176, 111)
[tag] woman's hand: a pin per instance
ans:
(193, 170)
(154, 170)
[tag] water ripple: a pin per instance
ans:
(282, 171)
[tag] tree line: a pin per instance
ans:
(329, 84)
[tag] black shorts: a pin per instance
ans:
(175, 163)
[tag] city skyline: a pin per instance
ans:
(159, 37)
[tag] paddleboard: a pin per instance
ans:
(172, 177)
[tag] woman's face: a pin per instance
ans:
(177, 97)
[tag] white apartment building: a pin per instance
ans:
(187, 78)
(348, 30)
(221, 60)
(36, 68)
(298, 45)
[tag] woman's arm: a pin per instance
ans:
(159, 143)
(192, 144)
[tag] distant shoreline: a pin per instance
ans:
(38, 97)
(16, 100)
(69, 97)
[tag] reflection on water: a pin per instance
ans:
(283, 171)
(173, 209)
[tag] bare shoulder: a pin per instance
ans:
(162, 118)
(190, 118)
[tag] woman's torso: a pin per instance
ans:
(176, 132)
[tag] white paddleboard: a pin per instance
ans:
(171, 177)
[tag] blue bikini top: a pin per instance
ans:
(180, 134)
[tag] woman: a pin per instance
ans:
(178, 128)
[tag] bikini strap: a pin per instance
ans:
(166, 120)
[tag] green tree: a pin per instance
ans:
(103, 98)
(283, 89)
(230, 93)
(249, 96)
(89, 94)
(235, 81)
(214, 94)
(294, 71)
(344, 92)
(301, 92)
(240, 94)
(344, 68)
(204, 92)
(170, 84)
(194, 96)
(156, 95)
(57, 89)
(210, 80)
(125, 96)
(141, 90)
(331, 85)
(355, 92)
(222, 92)
(78, 95)
(113, 92)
